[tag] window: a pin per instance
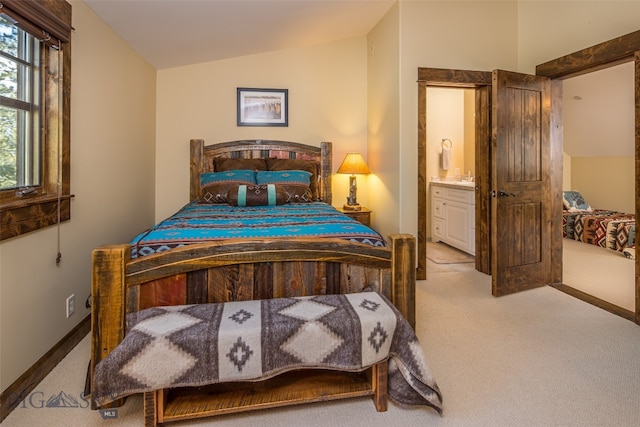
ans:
(20, 146)
(35, 70)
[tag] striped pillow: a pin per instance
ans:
(216, 185)
(295, 183)
(256, 195)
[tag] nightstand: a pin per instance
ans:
(363, 215)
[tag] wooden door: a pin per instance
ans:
(483, 179)
(521, 182)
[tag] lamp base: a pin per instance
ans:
(355, 207)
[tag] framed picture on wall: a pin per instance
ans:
(263, 107)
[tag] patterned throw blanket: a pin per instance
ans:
(201, 222)
(608, 229)
(196, 345)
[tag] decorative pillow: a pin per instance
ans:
(310, 166)
(295, 183)
(257, 195)
(222, 164)
(216, 185)
(573, 200)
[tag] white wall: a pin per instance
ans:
(605, 182)
(599, 135)
(550, 29)
(327, 102)
(470, 131)
(383, 116)
(569, 27)
(566, 172)
(487, 35)
(466, 35)
(112, 166)
(445, 119)
(598, 113)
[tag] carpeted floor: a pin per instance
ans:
(599, 272)
(537, 358)
(441, 253)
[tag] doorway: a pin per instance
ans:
(480, 83)
(521, 124)
(598, 162)
(603, 55)
(451, 170)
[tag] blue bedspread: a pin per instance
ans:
(198, 223)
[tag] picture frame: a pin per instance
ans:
(263, 107)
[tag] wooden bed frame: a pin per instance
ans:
(244, 270)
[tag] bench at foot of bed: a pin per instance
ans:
(291, 388)
(200, 360)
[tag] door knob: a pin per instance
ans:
(505, 194)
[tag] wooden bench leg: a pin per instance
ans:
(379, 374)
(153, 407)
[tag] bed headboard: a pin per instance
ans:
(202, 158)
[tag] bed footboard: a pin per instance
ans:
(243, 270)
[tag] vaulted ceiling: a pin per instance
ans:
(171, 33)
(598, 113)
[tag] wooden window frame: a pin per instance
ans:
(51, 203)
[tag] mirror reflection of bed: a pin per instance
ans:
(598, 139)
(599, 162)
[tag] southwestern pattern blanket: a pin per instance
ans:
(608, 229)
(201, 222)
(196, 345)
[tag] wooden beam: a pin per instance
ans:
(454, 78)
(602, 55)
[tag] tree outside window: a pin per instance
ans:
(35, 137)
(20, 146)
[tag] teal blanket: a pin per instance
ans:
(198, 222)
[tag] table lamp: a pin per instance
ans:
(353, 164)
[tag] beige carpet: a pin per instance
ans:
(538, 358)
(599, 272)
(441, 253)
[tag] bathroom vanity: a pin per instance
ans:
(453, 218)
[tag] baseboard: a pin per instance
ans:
(611, 308)
(25, 384)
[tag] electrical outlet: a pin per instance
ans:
(71, 305)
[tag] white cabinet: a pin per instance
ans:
(453, 216)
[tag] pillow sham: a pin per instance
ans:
(256, 195)
(274, 164)
(573, 200)
(215, 185)
(295, 183)
(288, 176)
(222, 164)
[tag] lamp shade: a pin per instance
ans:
(353, 163)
